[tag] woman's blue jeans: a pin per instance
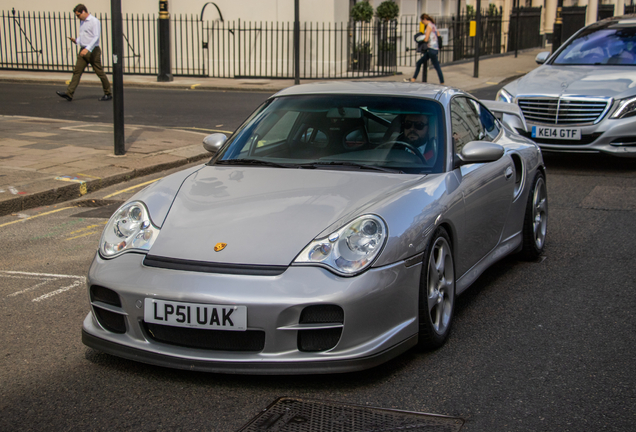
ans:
(429, 54)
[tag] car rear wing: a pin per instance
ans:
(508, 113)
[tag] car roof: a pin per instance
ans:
(430, 91)
(616, 22)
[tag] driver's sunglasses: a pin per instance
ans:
(416, 125)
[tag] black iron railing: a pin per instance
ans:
(38, 41)
(528, 33)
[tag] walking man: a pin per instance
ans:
(90, 53)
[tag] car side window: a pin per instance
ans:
(465, 123)
(489, 124)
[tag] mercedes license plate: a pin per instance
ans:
(571, 134)
(195, 315)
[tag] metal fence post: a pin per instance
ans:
(477, 39)
(118, 77)
(165, 66)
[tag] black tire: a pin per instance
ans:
(437, 292)
(535, 223)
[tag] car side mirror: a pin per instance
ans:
(214, 142)
(479, 152)
(542, 57)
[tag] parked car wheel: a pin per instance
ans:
(437, 292)
(535, 224)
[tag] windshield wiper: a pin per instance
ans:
(349, 164)
(253, 162)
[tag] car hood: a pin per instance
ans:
(266, 216)
(605, 81)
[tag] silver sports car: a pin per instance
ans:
(331, 232)
(583, 98)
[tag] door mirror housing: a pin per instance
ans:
(542, 57)
(479, 152)
(214, 142)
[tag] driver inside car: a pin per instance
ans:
(415, 131)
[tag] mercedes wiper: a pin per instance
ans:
(349, 164)
(253, 162)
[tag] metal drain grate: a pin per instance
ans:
(306, 415)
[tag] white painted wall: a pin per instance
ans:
(246, 10)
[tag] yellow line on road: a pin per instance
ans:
(90, 227)
(203, 129)
(83, 235)
(35, 216)
(131, 188)
(194, 86)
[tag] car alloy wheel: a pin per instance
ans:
(535, 224)
(437, 292)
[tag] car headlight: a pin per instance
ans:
(128, 229)
(351, 249)
(504, 96)
(626, 108)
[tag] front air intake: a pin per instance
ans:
(106, 308)
(320, 339)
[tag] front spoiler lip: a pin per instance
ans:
(253, 368)
(622, 151)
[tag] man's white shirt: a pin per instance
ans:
(90, 30)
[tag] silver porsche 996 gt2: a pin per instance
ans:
(330, 233)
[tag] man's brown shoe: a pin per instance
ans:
(64, 95)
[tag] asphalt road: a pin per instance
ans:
(536, 346)
(148, 107)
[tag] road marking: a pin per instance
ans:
(83, 235)
(53, 275)
(58, 291)
(194, 86)
(45, 278)
(31, 288)
(130, 188)
(491, 83)
(204, 129)
(36, 216)
(88, 228)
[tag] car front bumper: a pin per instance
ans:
(380, 315)
(616, 137)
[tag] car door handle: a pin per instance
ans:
(509, 172)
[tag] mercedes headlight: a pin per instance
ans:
(351, 249)
(130, 228)
(504, 96)
(626, 108)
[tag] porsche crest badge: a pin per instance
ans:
(219, 247)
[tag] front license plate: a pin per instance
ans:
(195, 315)
(556, 133)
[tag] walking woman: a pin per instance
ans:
(431, 36)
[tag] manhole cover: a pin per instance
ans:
(306, 415)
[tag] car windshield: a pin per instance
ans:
(605, 46)
(367, 133)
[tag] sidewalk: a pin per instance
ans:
(44, 161)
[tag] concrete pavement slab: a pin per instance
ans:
(62, 161)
